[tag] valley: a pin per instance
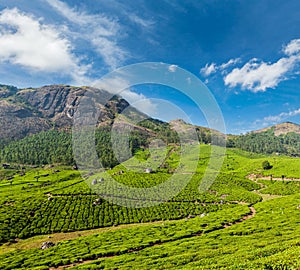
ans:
(149, 135)
(58, 207)
(243, 214)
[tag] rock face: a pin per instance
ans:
(28, 111)
(17, 121)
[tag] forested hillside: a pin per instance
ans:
(54, 146)
(36, 123)
(268, 143)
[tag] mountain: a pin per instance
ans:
(281, 129)
(29, 111)
(36, 123)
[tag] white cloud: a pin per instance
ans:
(140, 102)
(213, 67)
(281, 116)
(98, 30)
(120, 86)
(28, 42)
(140, 21)
(231, 62)
(113, 85)
(274, 119)
(208, 69)
(258, 75)
(293, 47)
(172, 68)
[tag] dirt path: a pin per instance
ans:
(250, 215)
(159, 242)
(266, 197)
(254, 177)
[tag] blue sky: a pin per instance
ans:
(246, 52)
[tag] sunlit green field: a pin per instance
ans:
(238, 223)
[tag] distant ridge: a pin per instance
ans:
(282, 128)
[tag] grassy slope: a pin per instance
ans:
(270, 240)
(174, 248)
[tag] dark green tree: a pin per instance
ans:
(266, 165)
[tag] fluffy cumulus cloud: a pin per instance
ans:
(98, 30)
(25, 41)
(28, 42)
(31, 43)
(257, 75)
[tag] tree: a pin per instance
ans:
(266, 165)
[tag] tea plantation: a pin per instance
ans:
(238, 223)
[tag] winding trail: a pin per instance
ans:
(265, 196)
(255, 177)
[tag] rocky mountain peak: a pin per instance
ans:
(28, 111)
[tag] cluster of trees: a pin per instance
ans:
(266, 165)
(267, 143)
(168, 135)
(7, 90)
(55, 146)
(162, 129)
(43, 148)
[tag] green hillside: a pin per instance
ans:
(245, 220)
(268, 142)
